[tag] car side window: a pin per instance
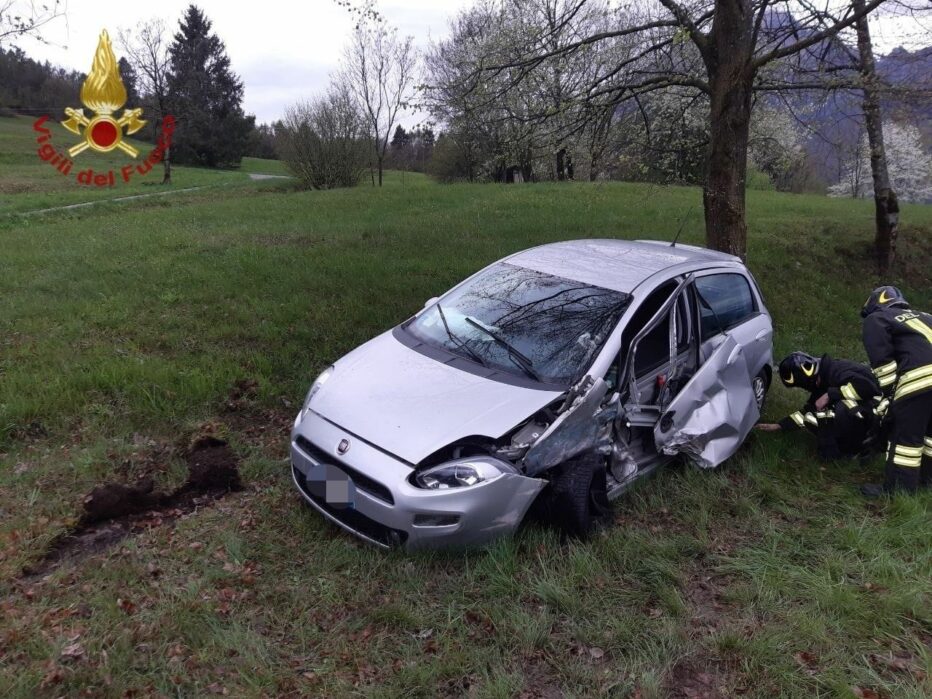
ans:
(724, 301)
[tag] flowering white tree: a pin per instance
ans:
(776, 147)
(910, 166)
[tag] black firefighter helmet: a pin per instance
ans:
(800, 370)
(883, 297)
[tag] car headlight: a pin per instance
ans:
(461, 473)
(315, 387)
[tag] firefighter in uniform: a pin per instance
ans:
(840, 409)
(898, 341)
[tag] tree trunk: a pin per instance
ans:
(594, 162)
(380, 171)
(167, 166)
(728, 60)
(885, 204)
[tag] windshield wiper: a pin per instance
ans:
(514, 354)
(458, 342)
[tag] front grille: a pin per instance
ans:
(353, 519)
(360, 480)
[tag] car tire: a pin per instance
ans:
(760, 385)
(578, 498)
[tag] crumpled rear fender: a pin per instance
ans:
(714, 412)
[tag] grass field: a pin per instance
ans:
(127, 329)
(29, 184)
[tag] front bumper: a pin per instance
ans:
(390, 512)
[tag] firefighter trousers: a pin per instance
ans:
(909, 455)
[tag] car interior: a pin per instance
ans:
(665, 343)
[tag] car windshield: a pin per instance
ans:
(523, 322)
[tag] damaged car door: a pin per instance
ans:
(660, 357)
(711, 416)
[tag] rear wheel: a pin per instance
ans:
(760, 384)
(579, 496)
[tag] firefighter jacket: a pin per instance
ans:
(846, 382)
(899, 346)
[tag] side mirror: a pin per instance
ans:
(431, 301)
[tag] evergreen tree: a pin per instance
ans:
(400, 139)
(205, 97)
(130, 81)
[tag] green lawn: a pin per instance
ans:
(124, 329)
(29, 184)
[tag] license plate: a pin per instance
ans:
(331, 485)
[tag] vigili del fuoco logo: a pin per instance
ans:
(104, 94)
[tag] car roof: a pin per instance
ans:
(620, 265)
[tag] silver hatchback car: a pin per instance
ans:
(561, 374)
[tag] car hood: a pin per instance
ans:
(411, 405)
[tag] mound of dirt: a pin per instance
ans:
(212, 467)
(113, 500)
(114, 510)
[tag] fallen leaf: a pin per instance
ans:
(864, 693)
(808, 661)
(53, 675)
(127, 606)
(72, 651)
(596, 653)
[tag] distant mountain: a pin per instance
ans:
(834, 120)
(911, 70)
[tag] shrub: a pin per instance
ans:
(323, 142)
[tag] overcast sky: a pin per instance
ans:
(282, 50)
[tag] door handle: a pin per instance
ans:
(762, 335)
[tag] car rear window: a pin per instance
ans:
(726, 301)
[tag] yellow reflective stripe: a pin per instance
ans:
(916, 373)
(850, 392)
(928, 441)
(797, 418)
(882, 406)
(920, 327)
(811, 419)
(908, 451)
(888, 368)
(907, 462)
(850, 403)
(887, 380)
(912, 387)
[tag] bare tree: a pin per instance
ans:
(378, 67)
(848, 69)
(146, 49)
(717, 47)
(27, 18)
(886, 208)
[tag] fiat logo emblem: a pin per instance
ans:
(343, 446)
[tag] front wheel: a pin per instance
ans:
(578, 496)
